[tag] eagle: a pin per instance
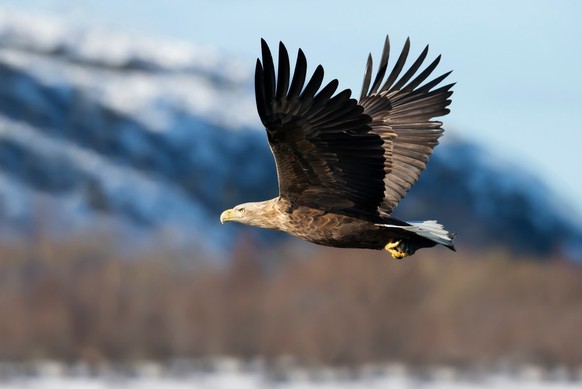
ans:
(344, 164)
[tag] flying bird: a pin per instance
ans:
(343, 165)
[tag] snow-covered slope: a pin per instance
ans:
(100, 127)
(92, 121)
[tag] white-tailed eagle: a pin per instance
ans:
(342, 164)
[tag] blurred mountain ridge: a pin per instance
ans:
(98, 126)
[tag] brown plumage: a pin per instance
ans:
(344, 165)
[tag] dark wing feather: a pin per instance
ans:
(326, 155)
(401, 112)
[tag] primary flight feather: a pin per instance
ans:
(343, 165)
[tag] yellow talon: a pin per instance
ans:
(392, 245)
(397, 249)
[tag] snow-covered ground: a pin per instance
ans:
(251, 381)
(230, 374)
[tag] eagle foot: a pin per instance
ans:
(398, 249)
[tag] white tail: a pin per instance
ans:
(429, 229)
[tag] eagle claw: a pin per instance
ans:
(398, 249)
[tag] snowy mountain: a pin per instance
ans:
(97, 127)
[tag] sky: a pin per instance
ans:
(518, 64)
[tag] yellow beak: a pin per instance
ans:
(226, 216)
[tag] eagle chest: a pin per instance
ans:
(326, 228)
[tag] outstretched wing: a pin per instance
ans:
(326, 155)
(401, 110)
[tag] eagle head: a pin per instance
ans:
(258, 214)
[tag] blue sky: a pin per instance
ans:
(518, 65)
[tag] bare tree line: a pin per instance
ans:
(81, 299)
